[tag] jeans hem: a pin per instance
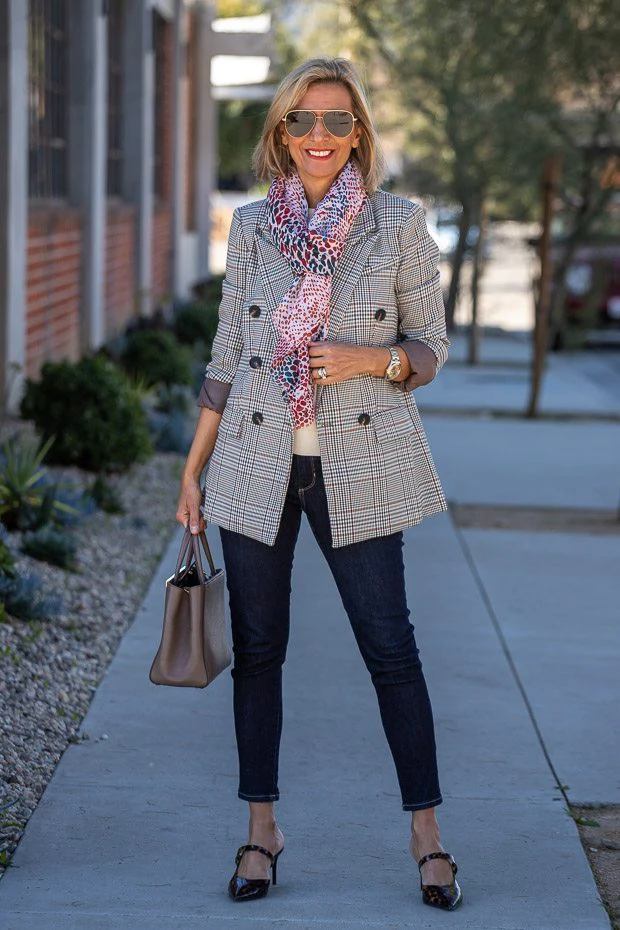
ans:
(264, 798)
(424, 805)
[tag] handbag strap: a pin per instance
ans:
(186, 543)
(196, 541)
(190, 549)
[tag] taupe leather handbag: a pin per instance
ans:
(194, 645)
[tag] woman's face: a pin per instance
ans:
(319, 156)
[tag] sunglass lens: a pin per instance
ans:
(299, 123)
(339, 123)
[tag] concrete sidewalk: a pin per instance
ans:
(518, 633)
(139, 828)
(576, 384)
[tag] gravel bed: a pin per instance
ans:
(50, 670)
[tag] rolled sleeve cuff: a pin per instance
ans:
(428, 369)
(213, 394)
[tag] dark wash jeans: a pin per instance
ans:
(370, 579)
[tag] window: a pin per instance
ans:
(160, 35)
(115, 98)
(48, 55)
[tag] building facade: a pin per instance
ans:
(106, 167)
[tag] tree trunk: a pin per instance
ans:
(457, 264)
(478, 268)
(543, 308)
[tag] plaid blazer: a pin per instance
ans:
(378, 471)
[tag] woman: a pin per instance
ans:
(331, 315)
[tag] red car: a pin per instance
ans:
(592, 300)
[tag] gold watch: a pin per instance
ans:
(394, 368)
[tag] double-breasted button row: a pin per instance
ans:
(254, 311)
(256, 362)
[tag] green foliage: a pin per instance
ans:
(27, 500)
(209, 290)
(156, 357)
(106, 496)
(581, 820)
(225, 8)
(92, 410)
(7, 561)
(196, 323)
(51, 545)
(25, 598)
(240, 126)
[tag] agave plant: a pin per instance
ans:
(27, 500)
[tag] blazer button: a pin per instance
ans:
(257, 418)
(256, 361)
(380, 314)
(363, 419)
(254, 311)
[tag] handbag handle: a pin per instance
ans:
(191, 544)
(196, 541)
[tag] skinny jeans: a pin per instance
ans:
(371, 583)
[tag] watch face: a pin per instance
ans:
(393, 369)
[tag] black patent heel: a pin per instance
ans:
(447, 897)
(250, 889)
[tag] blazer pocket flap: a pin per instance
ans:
(380, 263)
(392, 425)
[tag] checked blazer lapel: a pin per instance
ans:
(275, 272)
(360, 241)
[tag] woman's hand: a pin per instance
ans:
(188, 508)
(342, 360)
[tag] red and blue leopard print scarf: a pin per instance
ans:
(312, 250)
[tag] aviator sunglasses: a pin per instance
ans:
(339, 123)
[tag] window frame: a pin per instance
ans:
(49, 36)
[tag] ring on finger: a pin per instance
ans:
(322, 373)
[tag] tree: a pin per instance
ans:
(467, 68)
(584, 121)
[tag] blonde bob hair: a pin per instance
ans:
(271, 157)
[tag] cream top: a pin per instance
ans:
(306, 439)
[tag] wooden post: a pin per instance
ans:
(541, 320)
(476, 276)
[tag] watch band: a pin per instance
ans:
(395, 366)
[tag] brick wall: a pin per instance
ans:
(161, 244)
(119, 295)
(53, 287)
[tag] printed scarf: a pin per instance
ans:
(312, 250)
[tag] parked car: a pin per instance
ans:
(592, 302)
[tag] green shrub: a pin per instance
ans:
(7, 561)
(196, 323)
(106, 496)
(93, 412)
(51, 545)
(27, 499)
(209, 290)
(156, 357)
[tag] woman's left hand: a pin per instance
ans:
(342, 360)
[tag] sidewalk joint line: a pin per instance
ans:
(507, 654)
